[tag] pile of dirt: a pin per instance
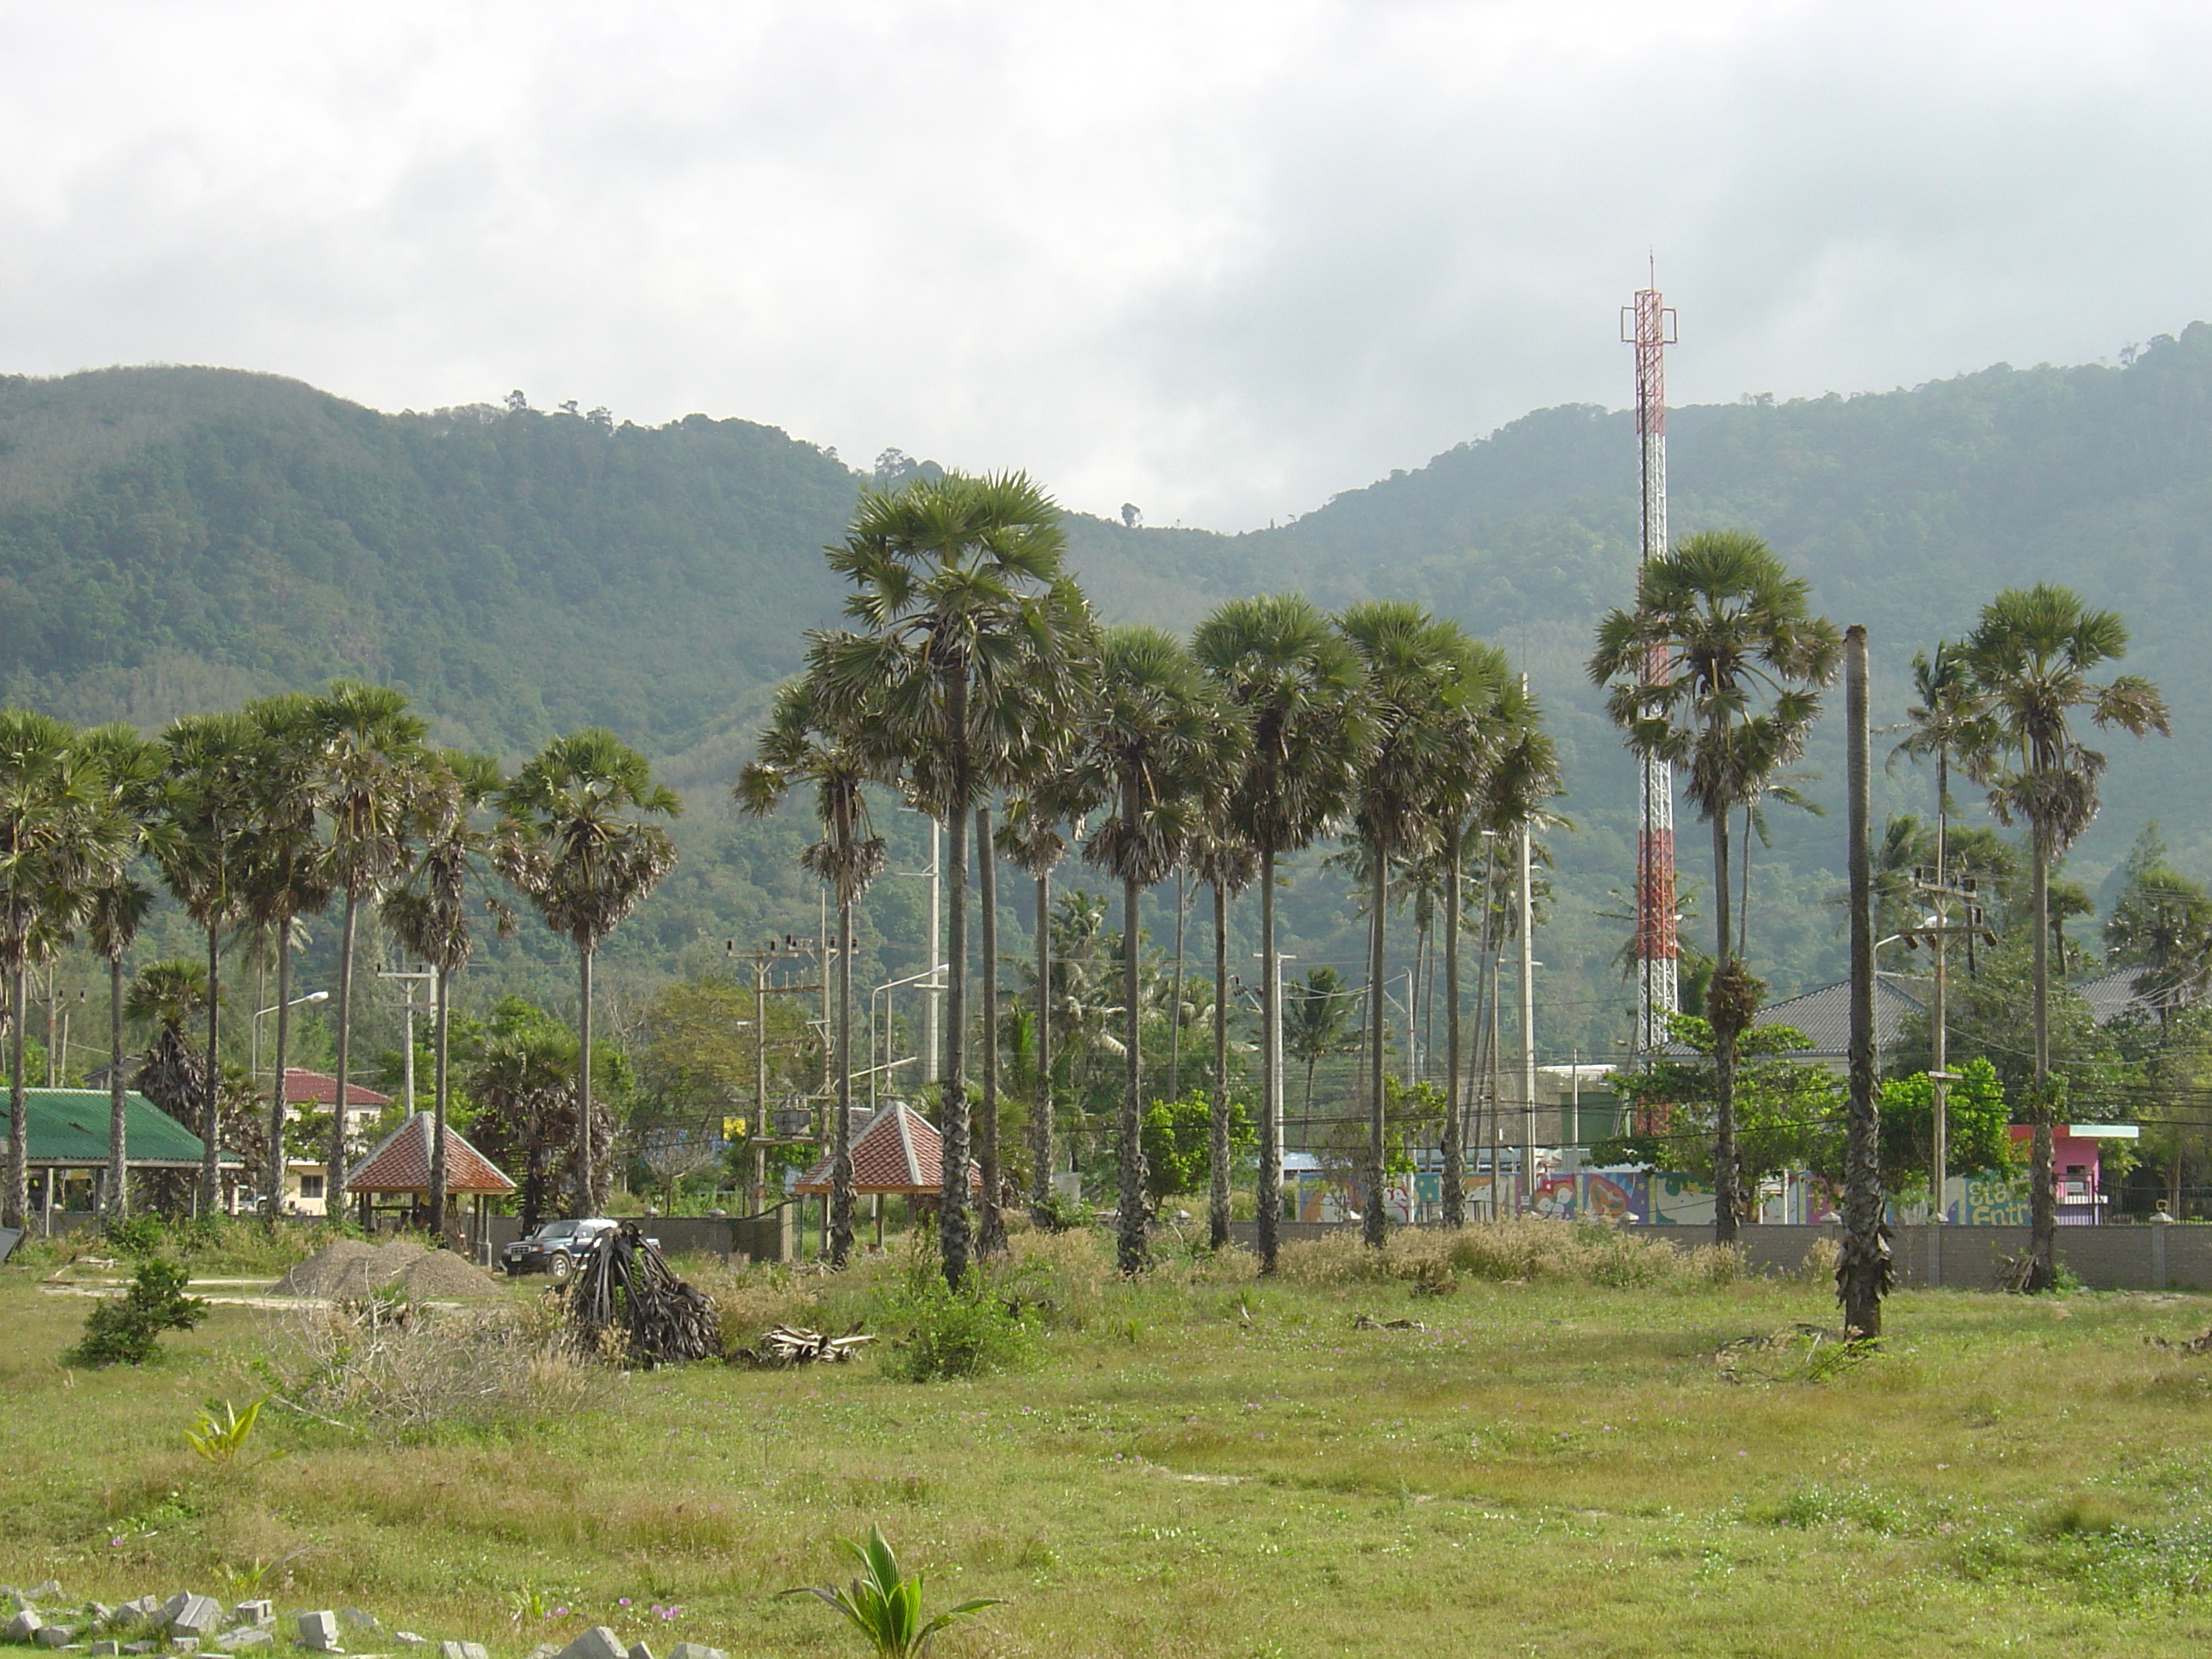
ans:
(347, 1270)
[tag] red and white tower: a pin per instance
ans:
(1648, 326)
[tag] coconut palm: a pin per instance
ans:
(46, 789)
(1318, 1021)
(1428, 685)
(128, 769)
(1158, 744)
(1300, 692)
(429, 913)
(208, 803)
(970, 635)
(2032, 653)
(576, 839)
(1717, 670)
(368, 764)
(801, 746)
(1227, 866)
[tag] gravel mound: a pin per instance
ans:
(347, 1270)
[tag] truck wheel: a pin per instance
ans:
(559, 1267)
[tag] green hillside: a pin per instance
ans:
(173, 539)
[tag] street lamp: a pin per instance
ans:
(254, 1025)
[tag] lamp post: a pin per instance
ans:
(254, 1024)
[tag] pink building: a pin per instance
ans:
(2076, 1154)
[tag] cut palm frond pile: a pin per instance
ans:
(787, 1346)
(626, 1301)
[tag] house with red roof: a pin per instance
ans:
(306, 1179)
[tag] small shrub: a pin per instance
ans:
(1819, 1266)
(885, 1607)
(220, 1436)
(123, 1331)
(948, 1333)
(133, 1234)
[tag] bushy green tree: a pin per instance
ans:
(1178, 1137)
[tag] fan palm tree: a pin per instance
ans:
(129, 770)
(429, 913)
(285, 871)
(576, 840)
(800, 746)
(1428, 685)
(969, 634)
(1227, 866)
(47, 787)
(2032, 653)
(369, 761)
(208, 804)
(1299, 689)
(1718, 670)
(170, 995)
(525, 1085)
(1158, 744)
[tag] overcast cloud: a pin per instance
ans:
(1221, 260)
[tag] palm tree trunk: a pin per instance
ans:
(1455, 1151)
(1174, 1006)
(1041, 1148)
(1862, 1275)
(440, 1101)
(991, 1235)
(1374, 1224)
(1724, 1216)
(840, 1165)
(19, 1109)
(955, 1232)
(585, 1173)
(211, 1115)
(1217, 1163)
(119, 1124)
(273, 1183)
(334, 1182)
(2042, 1191)
(1267, 1212)
(1129, 1251)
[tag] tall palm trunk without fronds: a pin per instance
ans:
(1725, 1032)
(991, 1233)
(1267, 1214)
(118, 1123)
(587, 1170)
(840, 1168)
(279, 1107)
(334, 1183)
(1129, 1230)
(1454, 1148)
(212, 1116)
(441, 1097)
(2043, 1190)
(955, 1226)
(1217, 1208)
(1041, 1152)
(1375, 1222)
(18, 1105)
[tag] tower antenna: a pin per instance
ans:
(1648, 326)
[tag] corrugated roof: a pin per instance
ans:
(2128, 991)
(899, 1152)
(68, 1126)
(1825, 1016)
(402, 1164)
(320, 1088)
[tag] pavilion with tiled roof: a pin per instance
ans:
(896, 1151)
(400, 1168)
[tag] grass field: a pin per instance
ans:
(1204, 1464)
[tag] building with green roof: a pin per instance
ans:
(69, 1136)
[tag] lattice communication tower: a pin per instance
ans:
(1648, 326)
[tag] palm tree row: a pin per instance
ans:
(975, 674)
(257, 818)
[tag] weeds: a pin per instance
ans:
(885, 1607)
(220, 1438)
(125, 1330)
(1529, 1248)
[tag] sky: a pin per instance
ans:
(1218, 260)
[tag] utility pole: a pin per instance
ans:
(1937, 933)
(1528, 1186)
(428, 978)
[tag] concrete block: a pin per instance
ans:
(25, 1624)
(145, 1610)
(55, 1636)
(408, 1638)
(545, 1650)
(98, 1612)
(141, 1647)
(49, 1591)
(462, 1650)
(695, 1650)
(354, 1619)
(597, 1643)
(105, 1649)
(639, 1651)
(245, 1639)
(262, 1612)
(319, 1632)
(183, 1645)
(199, 1618)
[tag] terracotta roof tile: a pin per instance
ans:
(899, 1152)
(402, 1164)
(320, 1088)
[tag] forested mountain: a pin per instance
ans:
(173, 538)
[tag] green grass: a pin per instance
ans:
(1204, 1464)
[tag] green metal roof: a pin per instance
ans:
(70, 1127)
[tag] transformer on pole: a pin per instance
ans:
(1648, 326)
